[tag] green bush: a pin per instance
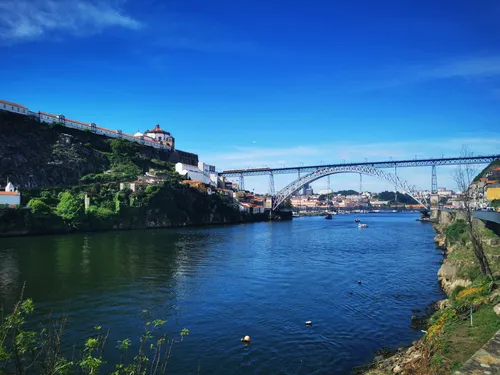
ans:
(457, 232)
(70, 207)
(39, 207)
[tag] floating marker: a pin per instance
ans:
(309, 323)
(246, 339)
(359, 281)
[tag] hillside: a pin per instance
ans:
(59, 168)
(34, 154)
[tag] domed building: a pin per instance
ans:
(160, 135)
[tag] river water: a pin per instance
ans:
(222, 283)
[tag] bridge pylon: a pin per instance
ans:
(242, 183)
(272, 191)
(434, 181)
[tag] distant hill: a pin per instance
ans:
(493, 164)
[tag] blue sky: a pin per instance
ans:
(267, 83)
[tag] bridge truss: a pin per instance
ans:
(369, 170)
(485, 159)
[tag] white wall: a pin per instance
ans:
(70, 124)
(10, 199)
(13, 108)
(193, 173)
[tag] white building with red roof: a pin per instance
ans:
(13, 107)
(160, 135)
(10, 197)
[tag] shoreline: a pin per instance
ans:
(257, 218)
(450, 340)
(387, 360)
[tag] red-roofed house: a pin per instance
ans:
(10, 196)
(13, 107)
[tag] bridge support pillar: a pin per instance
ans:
(434, 206)
(242, 183)
(272, 192)
(434, 181)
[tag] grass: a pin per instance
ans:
(461, 341)
(450, 339)
(464, 255)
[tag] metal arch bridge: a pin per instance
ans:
(380, 164)
(291, 188)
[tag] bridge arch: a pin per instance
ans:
(291, 188)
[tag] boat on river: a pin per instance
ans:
(357, 220)
(362, 225)
(329, 217)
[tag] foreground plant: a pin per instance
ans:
(41, 351)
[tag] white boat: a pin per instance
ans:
(360, 225)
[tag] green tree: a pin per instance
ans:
(39, 207)
(70, 207)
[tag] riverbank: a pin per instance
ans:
(450, 338)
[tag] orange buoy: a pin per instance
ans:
(246, 339)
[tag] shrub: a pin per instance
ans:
(457, 232)
(70, 207)
(39, 207)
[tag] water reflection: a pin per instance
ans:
(222, 283)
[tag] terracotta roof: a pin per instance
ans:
(9, 193)
(78, 122)
(14, 104)
(157, 129)
(47, 114)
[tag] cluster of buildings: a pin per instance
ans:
(324, 201)
(486, 189)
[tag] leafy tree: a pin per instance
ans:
(463, 177)
(70, 207)
(287, 203)
(39, 207)
(346, 192)
(391, 197)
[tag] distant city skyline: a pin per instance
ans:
(263, 84)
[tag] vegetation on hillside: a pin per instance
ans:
(391, 197)
(61, 208)
(34, 154)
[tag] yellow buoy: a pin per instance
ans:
(246, 339)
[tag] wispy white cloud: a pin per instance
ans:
(205, 43)
(27, 20)
(241, 157)
(258, 157)
(469, 68)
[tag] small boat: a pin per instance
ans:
(362, 225)
(329, 217)
(357, 220)
(295, 214)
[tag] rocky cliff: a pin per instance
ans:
(34, 154)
